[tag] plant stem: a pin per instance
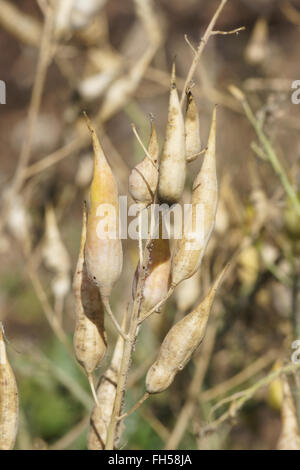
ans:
(122, 379)
(268, 148)
(200, 49)
(126, 359)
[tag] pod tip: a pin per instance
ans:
(173, 73)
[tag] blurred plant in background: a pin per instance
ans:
(113, 60)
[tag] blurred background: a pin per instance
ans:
(115, 63)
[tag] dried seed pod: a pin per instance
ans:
(190, 249)
(180, 343)
(106, 392)
(143, 178)
(89, 335)
(192, 129)
(173, 160)
(9, 401)
(103, 248)
(290, 437)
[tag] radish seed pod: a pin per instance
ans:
(103, 248)
(89, 336)
(172, 170)
(180, 343)
(9, 401)
(190, 249)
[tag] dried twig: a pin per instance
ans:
(200, 49)
(268, 148)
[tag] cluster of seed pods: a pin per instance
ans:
(182, 145)
(157, 178)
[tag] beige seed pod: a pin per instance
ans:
(103, 248)
(290, 437)
(143, 178)
(9, 401)
(172, 170)
(180, 343)
(190, 249)
(192, 129)
(106, 392)
(89, 335)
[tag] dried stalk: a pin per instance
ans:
(37, 91)
(238, 400)
(200, 49)
(268, 148)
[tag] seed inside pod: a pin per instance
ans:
(180, 343)
(172, 170)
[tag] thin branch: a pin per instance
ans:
(200, 49)
(238, 400)
(134, 407)
(190, 44)
(37, 91)
(239, 378)
(192, 158)
(268, 148)
(113, 318)
(158, 305)
(55, 157)
(143, 146)
(126, 359)
(225, 33)
(92, 385)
